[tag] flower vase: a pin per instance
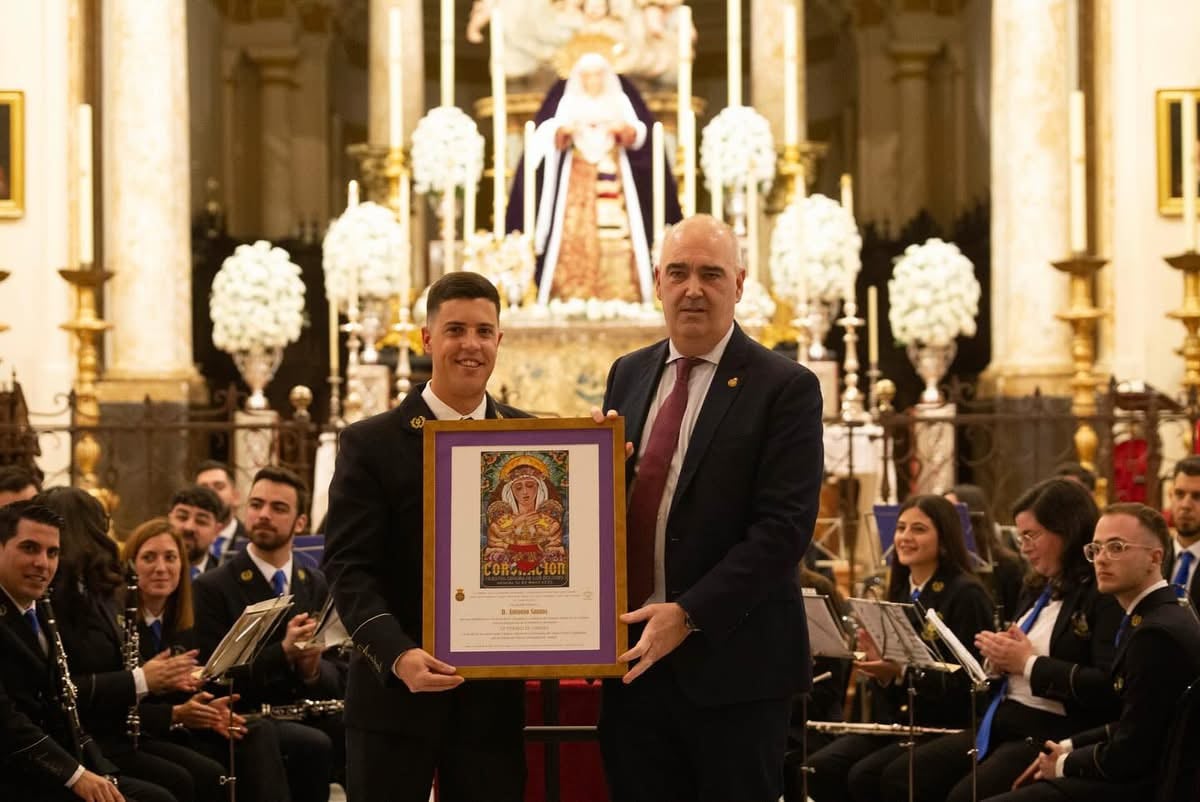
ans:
(820, 320)
(373, 310)
(257, 366)
(931, 363)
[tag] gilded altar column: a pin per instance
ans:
(276, 81)
(145, 177)
(912, 93)
(1029, 149)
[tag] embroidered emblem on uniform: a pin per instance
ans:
(3, 610)
(417, 422)
(1136, 621)
(246, 575)
(733, 382)
(301, 574)
(1079, 625)
(938, 586)
(1118, 684)
(459, 595)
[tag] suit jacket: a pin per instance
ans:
(41, 736)
(222, 594)
(1158, 657)
(741, 517)
(374, 555)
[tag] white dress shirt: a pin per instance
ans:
(443, 411)
(698, 383)
(268, 570)
(1019, 688)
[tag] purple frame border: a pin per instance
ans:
(445, 442)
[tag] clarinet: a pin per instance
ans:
(304, 709)
(68, 694)
(132, 649)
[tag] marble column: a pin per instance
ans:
(1030, 348)
(912, 94)
(145, 178)
(766, 57)
(276, 83)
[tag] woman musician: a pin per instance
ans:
(930, 566)
(1053, 664)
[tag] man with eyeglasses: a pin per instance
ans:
(1158, 656)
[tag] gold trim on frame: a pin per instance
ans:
(1168, 204)
(14, 206)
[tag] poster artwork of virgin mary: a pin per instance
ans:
(524, 542)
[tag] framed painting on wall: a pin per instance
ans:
(12, 154)
(1168, 104)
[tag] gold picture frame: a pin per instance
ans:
(12, 154)
(1167, 103)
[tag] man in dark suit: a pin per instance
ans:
(1158, 656)
(722, 506)
(195, 513)
(45, 758)
(282, 672)
(218, 477)
(1185, 514)
(407, 713)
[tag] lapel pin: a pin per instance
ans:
(418, 422)
(938, 586)
(246, 575)
(301, 574)
(1136, 621)
(733, 382)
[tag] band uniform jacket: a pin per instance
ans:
(374, 551)
(1157, 658)
(741, 517)
(222, 594)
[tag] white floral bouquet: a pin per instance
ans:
(756, 307)
(815, 242)
(735, 144)
(508, 263)
(367, 239)
(933, 294)
(257, 299)
(447, 151)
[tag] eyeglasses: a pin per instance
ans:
(1031, 536)
(1111, 548)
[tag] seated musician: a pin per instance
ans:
(931, 569)
(1158, 657)
(184, 720)
(1053, 664)
(282, 672)
(87, 595)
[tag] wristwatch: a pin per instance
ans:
(689, 623)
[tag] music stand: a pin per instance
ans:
(239, 647)
(826, 638)
(330, 632)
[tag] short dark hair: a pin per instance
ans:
(1064, 508)
(29, 510)
(1189, 466)
(214, 465)
(199, 496)
(1075, 470)
(17, 477)
(462, 284)
(1148, 519)
(283, 476)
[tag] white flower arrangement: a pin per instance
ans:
(447, 151)
(508, 263)
(756, 307)
(257, 299)
(367, 239)
(735, 144)
(592, 310)
(815, 242)
(933, 295)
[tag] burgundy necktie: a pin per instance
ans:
(648, 487)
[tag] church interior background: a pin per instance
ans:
(1046, 139)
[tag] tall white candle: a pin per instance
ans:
(404, 212)
(499, 125)
(395, 80)
(334, 356)
(658, 182)
(1078, 161)
(872, 325)
(529, 189)
(447, 41)
(733, 33)
(352, 194)
(718, 194)
(847, 193)
(469, 207)
(689, 164)
(684, 101)
(752, 228)
(448, 255)
(87, 251)
(791, 75)
(1187, 131)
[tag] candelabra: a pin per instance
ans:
(87, 327)
(1081, 315)
(802, 332)
(1188, 314)
(796, 163)
(852, 400)
(404, 330)
(353, 406)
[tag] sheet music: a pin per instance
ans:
(961, 653)
(890, 627)
(825, 637)
(240, 643)
(330, 633)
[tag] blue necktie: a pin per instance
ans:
(1181, 576)
(915, 595)
(156, 631)
(984, 736)
(195, 569)
(31, 618)
(218, 546)
(279, 582)
(1122, 630)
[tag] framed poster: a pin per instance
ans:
(525, 546)
(1168, 125)
(12, 154)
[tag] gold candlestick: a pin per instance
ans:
(852, 399)
(1081, 315)
(1188, 314)
(795, 163)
